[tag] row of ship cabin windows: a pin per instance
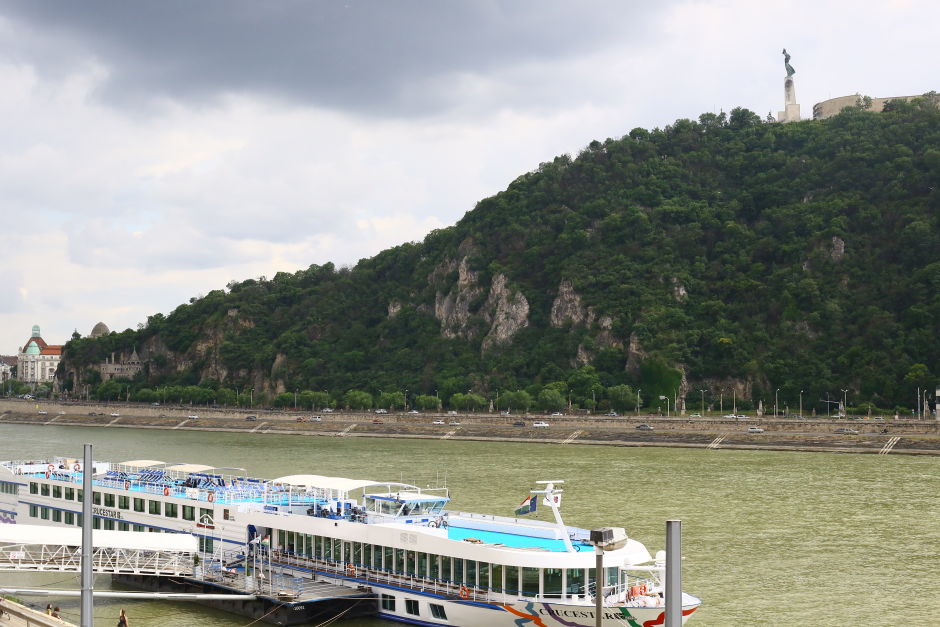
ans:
(71, 518)
(157, 508)
(412, 607)
(528, 581)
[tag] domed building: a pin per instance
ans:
(37, 361)
(99, 329)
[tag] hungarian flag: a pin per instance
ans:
(527, 506)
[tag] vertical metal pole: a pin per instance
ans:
(87, 616)
(673, 573)
(599, 587)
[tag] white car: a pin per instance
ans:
(754, 430)
(540, 423)
(414, 411)
(42, 412)
(695, 415)
(557, 413)
(191, 416)
(438, 422)
(114, 414)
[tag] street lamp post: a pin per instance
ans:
(295, 400)
(638, 402)
(801, 404)
(845, 403)
(703, 402)
(721, 401)
(776, 392)
(665, 398)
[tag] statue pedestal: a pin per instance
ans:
(791, 110)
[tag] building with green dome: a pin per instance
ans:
(36, 361)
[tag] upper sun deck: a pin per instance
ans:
(312, 493)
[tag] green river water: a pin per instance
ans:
(769, 538)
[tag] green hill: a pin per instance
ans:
(720, 254)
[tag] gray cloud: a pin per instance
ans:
(367, 56)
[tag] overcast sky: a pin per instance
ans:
(154, 150)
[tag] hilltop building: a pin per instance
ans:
(829, 108)
(37, 361)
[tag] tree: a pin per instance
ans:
(550, 399)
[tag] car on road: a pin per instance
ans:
(251, 418)
(846, 431)
(301, 419)
(452, 413)
(61, 412)
(438, 422)
(754, 430)
(192, 416)
(612, 414)
(540, 423)
(644, 427)
(741, 416)
(557, 413)
(377, 421)
(519, 423)
(696, 415)
(42, 412)
(504, 413)
(114, 414)
(315, 419)
(456, 423)
(381, 411)
(729, 416)
(414, 411)
(327, 410)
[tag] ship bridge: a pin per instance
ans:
(59, 549)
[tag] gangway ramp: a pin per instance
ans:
(59, 549)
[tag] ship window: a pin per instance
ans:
(387, 553)
(399, 560)
(57, 491)
(81, 495)
(138, 505)
(109, 524)
(472, 572)
(124, 526)
(139, 528)
(170, 510)
(437, 611)
(96, 523)
(551, 580)
(356, 553)
(33, 511)
(69, 518)
(435, 570)
(56, 515)
(337, 550)
(388, 602)
(458, 570)
(155, 507)
(189, 512)
(108, 500)
(44, 489)
(96, 498)
(422, 570)
(497, 577)
(205, 516)
(445, 568)
(530, 581)
(512, 579)
(411, 606)
(367, 555)
(69, 494)
(44, 513)
(124, 502)
(483, 575)
(575, 581)
(78, 519)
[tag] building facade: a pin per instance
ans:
(829, 108)
(37, 361)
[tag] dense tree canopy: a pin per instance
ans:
(732, 252)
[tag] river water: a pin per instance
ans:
(769, 538)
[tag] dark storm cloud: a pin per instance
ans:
(366, 56)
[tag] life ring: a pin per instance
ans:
(464, 592)
(211, 497)
(166, 491)
(77, 467)
(127, 485)
(51, 467)
(350, 570)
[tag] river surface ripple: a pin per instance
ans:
(769, 538)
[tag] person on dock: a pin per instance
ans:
(49, 609)
(122, 619)
(56, 613)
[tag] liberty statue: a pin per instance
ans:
(786, 62)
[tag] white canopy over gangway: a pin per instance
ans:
(58, 549)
